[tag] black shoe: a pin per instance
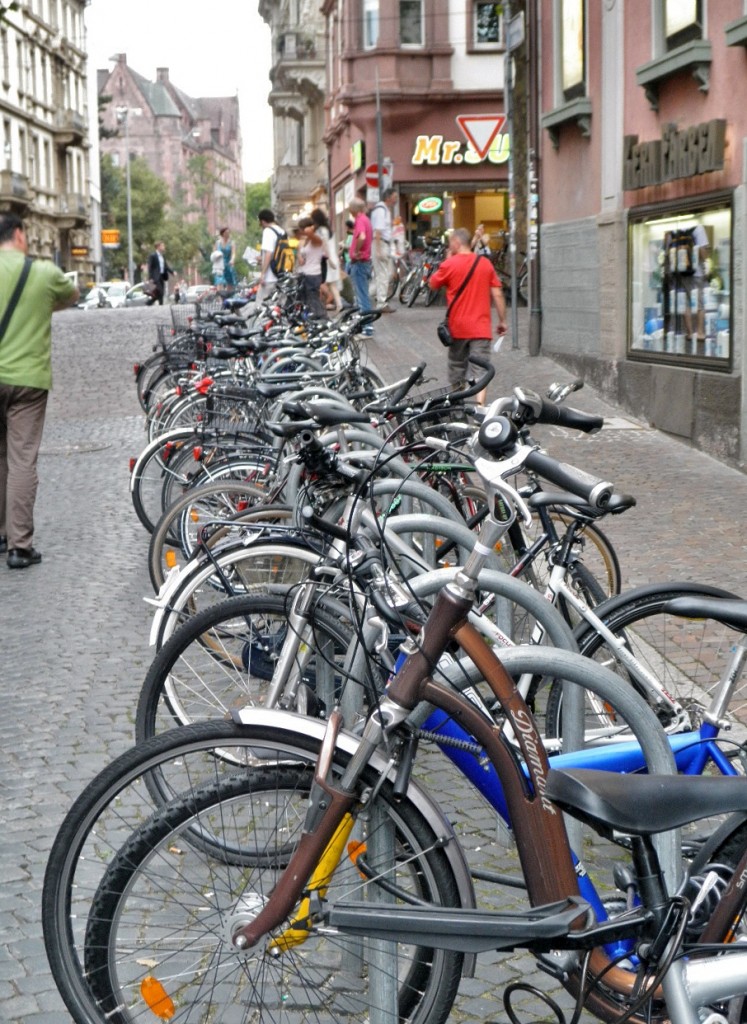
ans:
(3, 542)
(22, 558)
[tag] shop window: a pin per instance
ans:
(680, 286)
(411, 22)
(572, 49)
(486, 26)
(683, 22)
(370, 24)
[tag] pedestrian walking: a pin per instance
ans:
(158, 272)
(30, 291)
(271, 232)
(468, 315)
(311, 255)
(360, 258)
(224, 275)
(381, 224)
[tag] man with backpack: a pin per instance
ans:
(277, 255)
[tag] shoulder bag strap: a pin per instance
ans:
(462, 286)
(11, 308)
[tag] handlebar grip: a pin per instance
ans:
(592, 490)
(324, 525)
(415, 375)
(566, 416)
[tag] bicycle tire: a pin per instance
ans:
(150, 469)
(224, 658)
(247, 568)
(686, 655)
(596, 551)
(89, 847)
(416, 289)
(246, 469)
(215, 499)
(393, 285)
(407, 286)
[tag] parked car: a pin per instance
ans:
(136, 296)
(198, 291)
(104, 295)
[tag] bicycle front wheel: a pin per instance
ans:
(687, 656)
(134, 906)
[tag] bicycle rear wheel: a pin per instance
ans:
(225, 657)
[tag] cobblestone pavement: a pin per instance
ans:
(74, 647)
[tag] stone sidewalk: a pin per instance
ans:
(74, 647)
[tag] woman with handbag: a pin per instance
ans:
(471, 287)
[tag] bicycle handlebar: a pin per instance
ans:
(591, 489)
(478, 385)
(567, 416)
(415, 374)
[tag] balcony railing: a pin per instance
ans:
(295, 179)
(15, 189)
(69, 128)
(297, 46)
(72, 207)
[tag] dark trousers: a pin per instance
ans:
(21, 424)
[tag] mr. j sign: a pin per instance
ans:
(677, 154)
(484, 141)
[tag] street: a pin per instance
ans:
(75, 629)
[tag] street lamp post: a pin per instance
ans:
(123, 116)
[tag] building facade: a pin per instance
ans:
(416, 88)
(45, 172)
(643, 208)
(194, 145)
(297, 96)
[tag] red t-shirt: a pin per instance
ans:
(361, 229)
(471, 317)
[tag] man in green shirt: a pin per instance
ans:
(25, 382)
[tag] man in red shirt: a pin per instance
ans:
(470, 321)
(360, 258)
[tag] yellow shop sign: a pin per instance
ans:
(436, 151)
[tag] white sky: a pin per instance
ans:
(211, 48)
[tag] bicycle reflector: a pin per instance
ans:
(156, 999)
(170, 559)
(133, 463)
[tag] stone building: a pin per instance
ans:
(297, 98)
(194, 145)
(44, 164)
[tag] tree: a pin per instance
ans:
(257, 197)
(149, 196)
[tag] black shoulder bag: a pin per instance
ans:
(11, 308)
(443, 332)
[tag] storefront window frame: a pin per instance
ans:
(683, 205)
(474, 45)
(572, 52)
(370, 23)
(689, 29)
(420, 42)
